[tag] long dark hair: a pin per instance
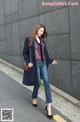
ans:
(34, 32)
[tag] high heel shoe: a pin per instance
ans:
(35, 105)
(49, 116)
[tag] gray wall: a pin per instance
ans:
(17, 19)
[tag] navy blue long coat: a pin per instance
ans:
(31, 76)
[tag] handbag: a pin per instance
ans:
(26, 67)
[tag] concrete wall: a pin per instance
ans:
(17, 19)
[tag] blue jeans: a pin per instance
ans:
(42, 71)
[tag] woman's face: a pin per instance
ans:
(40, 32)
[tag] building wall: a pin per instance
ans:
(17, 19)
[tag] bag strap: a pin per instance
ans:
(30, 54)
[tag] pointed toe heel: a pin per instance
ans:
(49, 116)
(35, 105)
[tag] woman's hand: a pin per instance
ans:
(54, 62)
(30, 64)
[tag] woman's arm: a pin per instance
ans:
(25, 52)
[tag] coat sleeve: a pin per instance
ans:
(50, 60)
(25, 51)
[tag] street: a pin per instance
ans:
(14, 95)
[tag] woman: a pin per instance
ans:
(39, 64)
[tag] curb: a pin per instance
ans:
(66, 96)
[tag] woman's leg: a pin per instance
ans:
(37, 85)
(44, 73)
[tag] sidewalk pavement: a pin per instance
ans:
(62, 104)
